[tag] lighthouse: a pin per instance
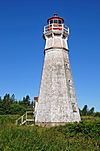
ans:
(57, 103)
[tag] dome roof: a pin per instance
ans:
(55, 17)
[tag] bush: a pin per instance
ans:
(97, 114)
(17, 109)
(9, 105)
(83, 136)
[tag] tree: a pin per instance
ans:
(12, 98)
(17, 109)
(1, 107)
(0, 99)
(26, 100)
(91, 111)
(32, 104)
(84, 111)
(97, 114)
(6, 104)
(10, 105)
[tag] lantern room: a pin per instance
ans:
(55, 23)
(56, 26)
(55, 20)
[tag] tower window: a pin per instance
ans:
(59, 21)
(55, 21)
(51, 21)
(74, 107)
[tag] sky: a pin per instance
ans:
(22, 46)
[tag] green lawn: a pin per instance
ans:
(83, 136)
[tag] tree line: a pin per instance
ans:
(10, 105)
(88, 112)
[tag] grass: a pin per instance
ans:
(83, 136)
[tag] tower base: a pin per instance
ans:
(52, 124)
(49, 124)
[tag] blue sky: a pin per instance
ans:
(22, 46)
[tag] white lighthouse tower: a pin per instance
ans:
(57, 102)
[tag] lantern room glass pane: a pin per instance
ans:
(51, 21)
(55, 21)
(59, 22)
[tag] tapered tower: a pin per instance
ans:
(57, 102)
